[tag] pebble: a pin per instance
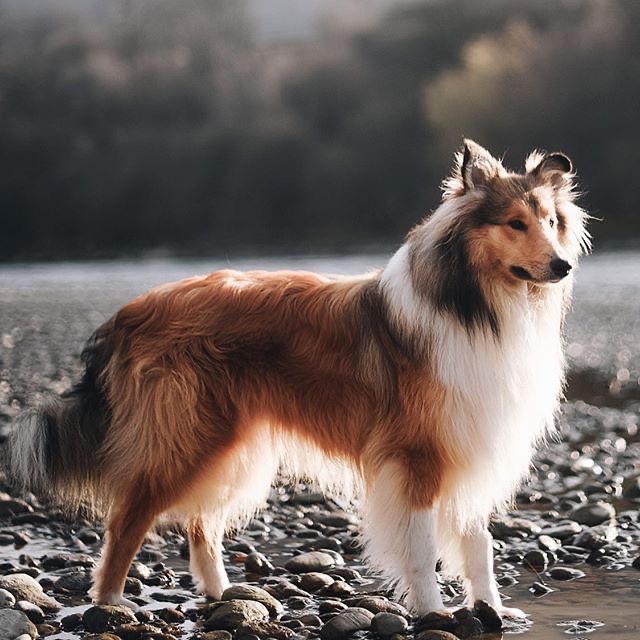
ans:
(380, 604)
(32, 611)
(231, 614)
(565, 573)
(547, 543)
(133, 631)
(24, 587)
(593, 514)
(6, 539)
(6, 599)
(74, 580)
(313, 581)
(488, 616)
(12, 506)
(263, 630)
(440, 620)
(257, 563)
(540, 589)
(387, 624)
(346, 623)
(216, 635)
(436, 635)
(311, 561)
(563, 530)
(14, 624)
(71, 622)
(256, 594)
(536, 560)
(105, 617)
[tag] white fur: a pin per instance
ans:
(27, 451)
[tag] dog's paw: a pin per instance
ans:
(511, 612)
(118, 601)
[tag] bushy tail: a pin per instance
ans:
(55, 449)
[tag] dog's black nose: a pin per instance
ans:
(560, 267)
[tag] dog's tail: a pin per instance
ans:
(55, 449)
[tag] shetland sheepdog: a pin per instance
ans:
(424, 385)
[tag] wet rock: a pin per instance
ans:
(593, 514)
(337, 589)
(540, 589)
(258, 564)
(6, 599)
(231, 614)
(24, 587)
(62, 560)
(32, 611)
(133, 586)
(76, 580)
(468, 626)
(331, 606)
(315, 580)
(71, 622)
(104, 617)
(380, 604)
(88, 536)
(504, 527)
(631, 487)
(337, 520)
(488, 616)
(250, 592)
(14, 624)
(387, 624)
(310, 620)
(311, 561)
(437, 620)
(565, 573)
(10, 507)
(563, 530)
(139, 570)
(6, 539)
(536, 560)
(636, 563)
(268, 629)
(547, 543)
(436, 635)
(171, 615)
(133, 631)
(346, 623)
(298, 602)
(216, 635)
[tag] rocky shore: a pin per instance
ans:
(297, 569)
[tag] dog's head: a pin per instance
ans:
(523, 227)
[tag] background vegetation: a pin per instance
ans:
(142, 125)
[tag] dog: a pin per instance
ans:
(425, 385)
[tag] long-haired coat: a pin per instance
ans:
(427, 384)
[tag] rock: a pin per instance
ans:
(12, 506)
(88, 536)
(62, 560)
(636, 563)
(132, 586)
(331, 606)
(468, 626)
(437, 620)
(379, 604)
(104, 617)
(310, 620)
(631, 487)
(71, 622)
(502, 527)
(75, 580)
(337, 589)
(6, 539)
(139, 570)
(24, 587)
(565, 573)
(216, 635)
(346, 623)
(258, 564)
(32, 611)
(593, 514)
(231, 614)
(250, 592)
(14, 624)
(315, 580)
(6, 599)
(488, 616)
(536, 560)
(268, 629)
(311, 561)
(386, 624)
(131, 631)
(563, 530)
(337, 520)
(547, 543)
(171, 615)
(540, 589)
(436, 635)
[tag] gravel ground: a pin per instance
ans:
(568, 553)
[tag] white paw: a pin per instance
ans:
(118, 601)
(511, 612)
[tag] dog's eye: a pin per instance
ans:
(552, 223)
(518, 225)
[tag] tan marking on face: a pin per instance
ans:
(525, 240)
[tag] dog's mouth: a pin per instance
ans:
(521, 273)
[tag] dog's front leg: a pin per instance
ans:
(401, 539)
(477, 554)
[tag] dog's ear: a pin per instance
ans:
(554, 168)
(478, 165)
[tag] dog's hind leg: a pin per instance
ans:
(401, 539)
(205, 552)
(127, 525)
